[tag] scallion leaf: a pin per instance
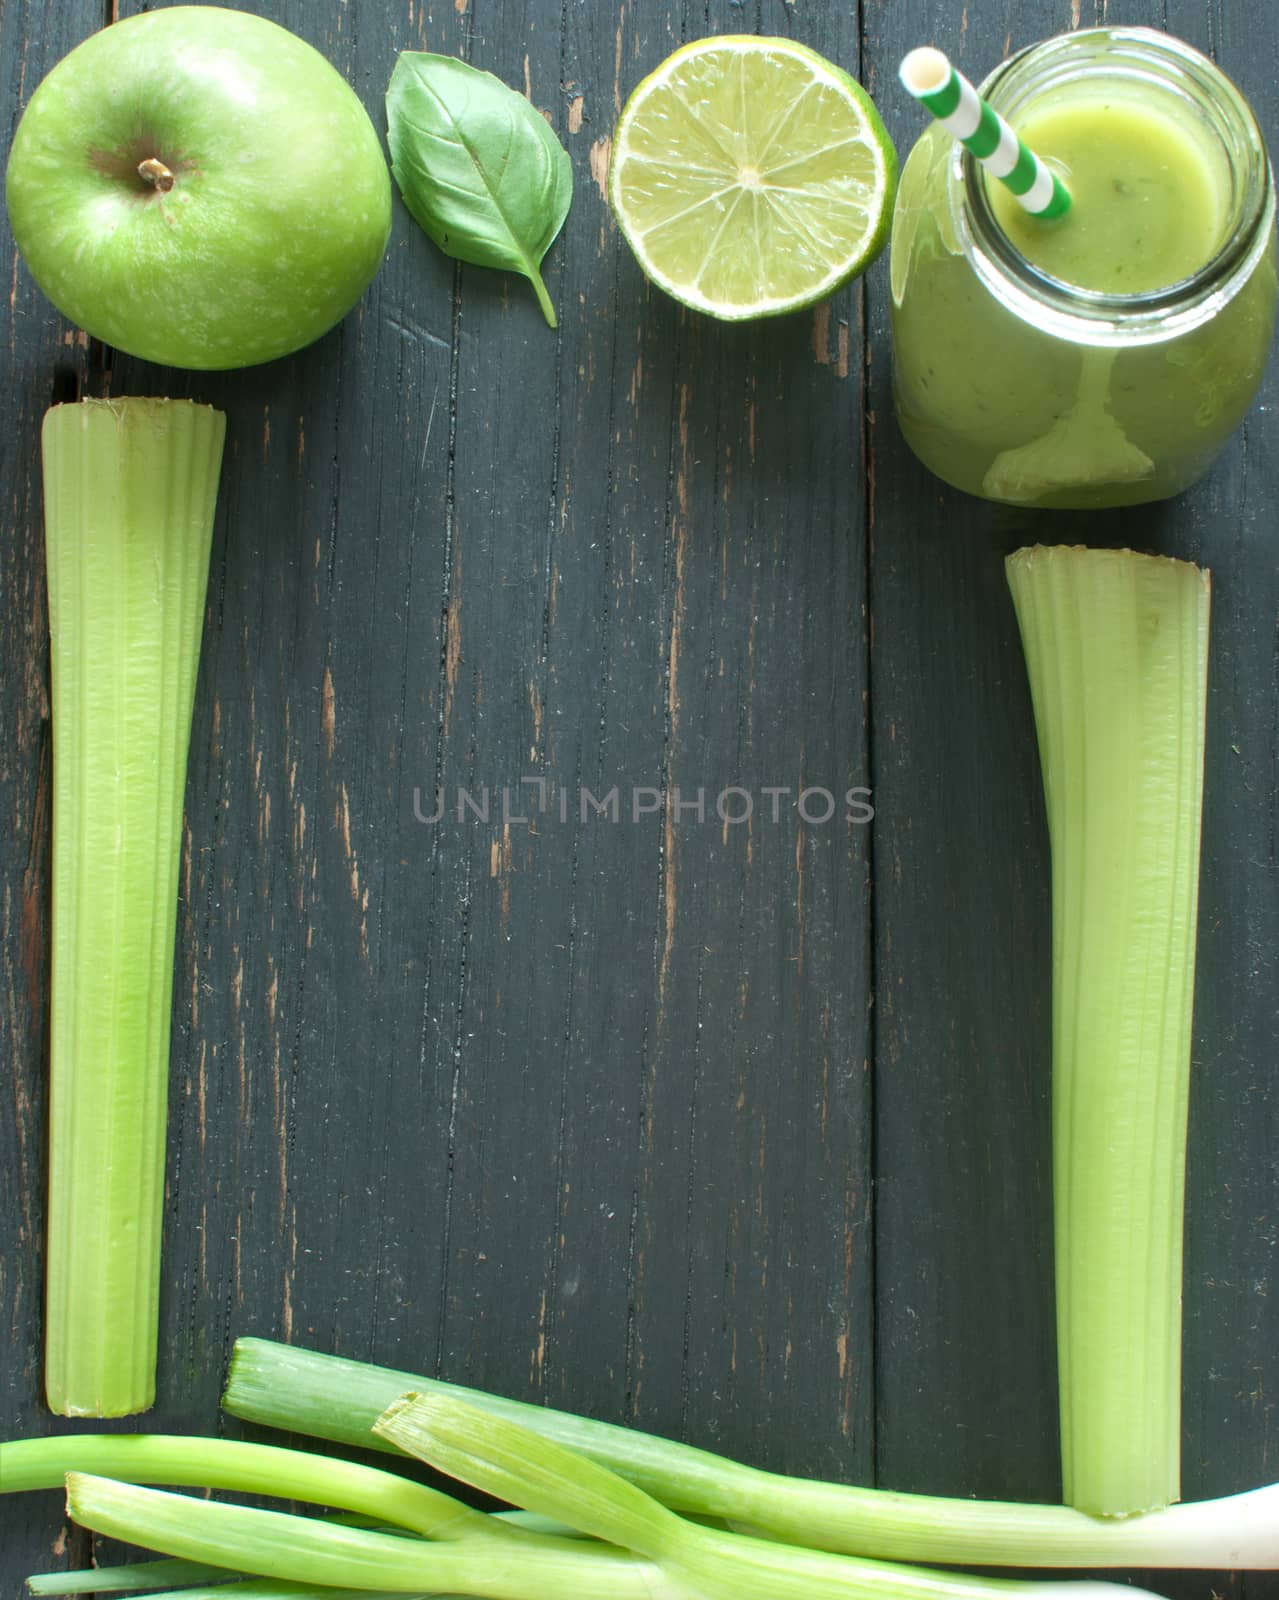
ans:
(248, 1468)
(146, 1575)
(504, 1458)
(283, 1386)
(306, 1550)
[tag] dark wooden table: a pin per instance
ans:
(739, 1133)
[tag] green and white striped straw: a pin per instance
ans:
(929, 76)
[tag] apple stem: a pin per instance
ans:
(155, 173)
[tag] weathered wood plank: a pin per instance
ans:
(577, 1109)
(964, 1357)
(965, 1374)
(581, 1109)
(42, 360)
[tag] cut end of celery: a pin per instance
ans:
(1081, 559)
(1117, 652)
(120, 1395)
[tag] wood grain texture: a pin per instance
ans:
(591, 1111)
(965, 1397)
(574, 1108)
(42, 360)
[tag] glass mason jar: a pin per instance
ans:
(1017, 386)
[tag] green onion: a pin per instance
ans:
(199, 1583)
(1117, 651)
(677, 1560)
(306, 1550)
(135, 1575)
(248, 1468)
(513, 1462)
(328, 1397)
(130, 487)
(268, 1589)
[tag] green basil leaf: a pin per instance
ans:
(478, 166)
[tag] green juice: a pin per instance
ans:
(1150, 202)
(1102, 358)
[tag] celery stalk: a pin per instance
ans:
(1117, 650)
(130, 487)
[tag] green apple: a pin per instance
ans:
(199, 187)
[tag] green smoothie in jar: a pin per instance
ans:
(1103, 357)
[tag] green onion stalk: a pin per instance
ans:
(506, 1459)
(329, 1397)
(198, 1583)
(308, 1550)
(144, 1576)
(634, 1548)
(247, 1468)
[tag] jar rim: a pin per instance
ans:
(1101, 316)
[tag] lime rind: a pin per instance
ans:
(751, 177)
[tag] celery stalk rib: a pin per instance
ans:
(130, 488)
(1117, 650)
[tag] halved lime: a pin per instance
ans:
(750, 176)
